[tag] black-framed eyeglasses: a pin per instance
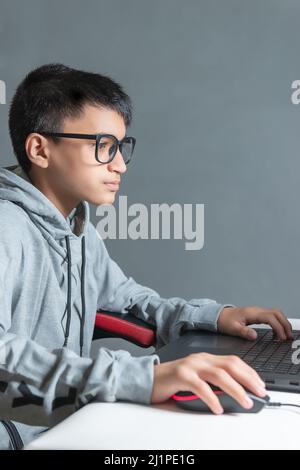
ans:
(106, 145)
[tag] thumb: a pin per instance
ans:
(245, 332)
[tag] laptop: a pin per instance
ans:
(270, 357)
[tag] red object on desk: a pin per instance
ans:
(127, 326)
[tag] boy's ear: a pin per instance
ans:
(37, 149)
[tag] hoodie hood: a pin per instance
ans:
(16, 187)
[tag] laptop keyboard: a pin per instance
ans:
(268, 354)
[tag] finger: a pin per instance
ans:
(240, 369)
(205, 393)
(271, 319)
(244, 331)
(245, 375)
(285, 323)
(223, 380)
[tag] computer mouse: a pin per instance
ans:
(190, 401)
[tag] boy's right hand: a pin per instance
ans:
(195, 372)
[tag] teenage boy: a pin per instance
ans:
(69, 134)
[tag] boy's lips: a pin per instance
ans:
(114, 185)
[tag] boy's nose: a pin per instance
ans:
(118, 164)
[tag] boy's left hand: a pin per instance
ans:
(234, 321)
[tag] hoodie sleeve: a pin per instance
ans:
(41, 387)
(171, 316)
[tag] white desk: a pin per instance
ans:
(121, 425)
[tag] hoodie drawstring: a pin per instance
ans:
(82, 320)
(82, 279)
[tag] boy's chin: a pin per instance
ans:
(108, 198)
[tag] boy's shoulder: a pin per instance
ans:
(13, 225)
(11, 214)
(10, 210)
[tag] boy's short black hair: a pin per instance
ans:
(53, 92)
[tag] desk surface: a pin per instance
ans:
(122, 425)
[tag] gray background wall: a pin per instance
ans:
(210, 82)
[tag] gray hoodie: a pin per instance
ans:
(55, 272)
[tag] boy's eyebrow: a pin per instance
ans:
(125, 135)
